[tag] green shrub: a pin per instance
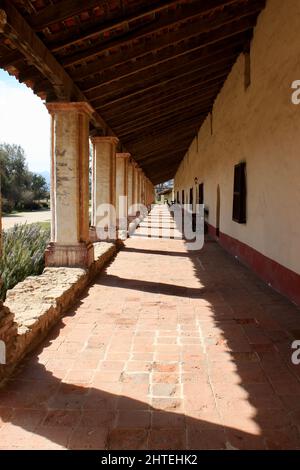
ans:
(22, 254)
(7, 206)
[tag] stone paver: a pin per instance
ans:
(167, 350)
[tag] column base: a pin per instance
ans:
(122, 232)
(93, 235)
(80, 255)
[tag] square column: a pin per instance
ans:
(104, 187)
(70, 244)
(122, 160)
(130, 184)
(140, 174)
(135, 183)
(141, 194)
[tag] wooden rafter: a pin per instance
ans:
(186, 12)
(16, 29)
(151, 69)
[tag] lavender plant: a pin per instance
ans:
(22, 254)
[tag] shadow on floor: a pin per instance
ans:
(81, 417)
(246, 390)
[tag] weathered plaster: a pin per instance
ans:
(259, 125)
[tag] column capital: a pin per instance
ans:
(105, 139)
(123, 155)
(65, 107)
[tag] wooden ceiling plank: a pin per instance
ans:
(60, 11)
(184, 117)
(190, 78)
(71, 39)
(14, 27)
(169, 61)
(174, 106)
(160, 97)
(162, 75)
(188, 11)
(147, 118)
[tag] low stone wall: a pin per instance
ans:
(33, 306)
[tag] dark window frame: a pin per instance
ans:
(191, 198)
(201, 193)
(239, 207)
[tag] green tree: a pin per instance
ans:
(20, 188)
(39, 187)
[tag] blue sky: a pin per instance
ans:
(24, 120)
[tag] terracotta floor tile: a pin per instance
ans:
(165, 350)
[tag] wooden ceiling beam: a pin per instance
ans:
(68, 38)
(163, 74)
(16, 29)
(200, 104)
(161, 97)
(162, 146)
(166, 172)
(154, 64)
(158, 110)
(184, 117)
(60, 11)
(154, 142)
(206, 40)
(175, 83)
(211, 17)
(160, 134)
(158, 50)
(147, 162)
(179, 147)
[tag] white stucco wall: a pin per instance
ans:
(261, 126)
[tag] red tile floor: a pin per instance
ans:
(166, 350)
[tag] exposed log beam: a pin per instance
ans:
(178, 148)
(14, 27)
(159, 120)
(187, 116)
(174, 83)
(10, 58)
(163, 146)
(164, 175)
(161, 97)
(169, 78)
(235, 31)
(160, 140)
(67, 39)
(156, 134)
(61, 11)
(145, 153)
(165, 73)
(186, 12)
(170, 161)
(169, 60)
(148, 161)
(202, 105)
(159, 110)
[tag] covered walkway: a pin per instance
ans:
(166, 350)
